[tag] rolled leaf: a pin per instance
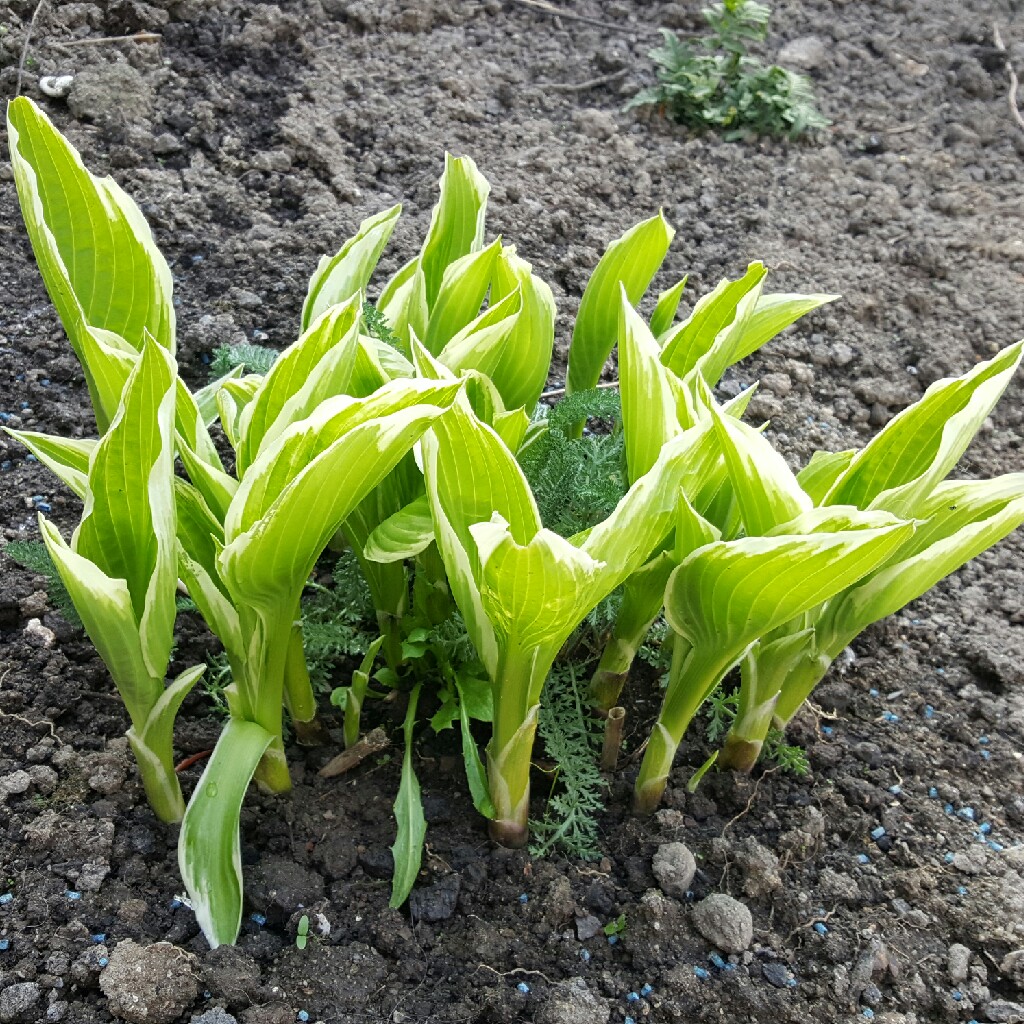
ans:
(632, 261)
(340, 277)
(918, 448)
(209, 849)
(412, 825)
(93, 246)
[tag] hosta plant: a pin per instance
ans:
(903, 471)
(120, 568)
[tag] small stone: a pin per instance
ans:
(166, 144)
(149, 984)
(674, 867)
(958, 961)
(808, 52)
(725, 922)
(1012, 968)
(215, 1015)
(1002, 1011)
(587, 926)
(572, 1002)
(16, 1002)
(760, 868)
(34, 606)
(39, 635)
(14, 784)
(775, 973)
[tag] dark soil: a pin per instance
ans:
(255, 137)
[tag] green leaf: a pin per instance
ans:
(476, 775)
(464, 287)
(403, 535)
(345, 275)
(456, 223)
(649, 400)
(128, 526)
(821, 473)
(918, 448)
(727, 594)
(766, 490)
(959, 521)
(305, 484)
(773, 313)
(632, 261)
(716, 311)
(93, 246)
(521, 369)
(206, 397)
(209, 849)
(316, 367)
(665, 310)
(412, 825)
(480, 345)
(66, 457)
(105, 607)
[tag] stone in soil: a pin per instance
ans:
(674, 867)
(17, 1002)
(572, 1002)
(149, 984)
(724, 922)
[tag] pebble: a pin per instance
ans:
(17, 1000)
(807, 52)
(149, 984)
(1002, 1011)
(775, 973)
(674, 867)
(958, 961)
(725, 922)
(215, 1015)
(573, 1002)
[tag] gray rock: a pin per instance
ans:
(674, 867)
(587, 926)
(149, 984)
(215, 1015)
(1013, 968)
(571, 1002)
(14, 784)
(109, 91)
(760, 868)
(776, 973)
(724, 922)
(808, 52)
(958, 961)
(1002, 1011)
(17, 1001)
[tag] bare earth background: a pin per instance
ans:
(255, 136)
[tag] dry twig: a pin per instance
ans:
(137, 37)
(557, 12)
(593, 83)
(1011, 97)
(372, 743)
(24, 49)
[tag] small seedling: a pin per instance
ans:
(302, 932)
(616, 927)
(712, 83)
